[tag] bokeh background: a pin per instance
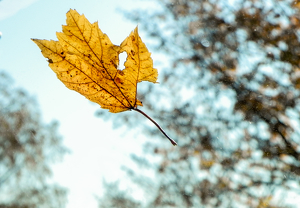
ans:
(228, 94)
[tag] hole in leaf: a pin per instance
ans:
(122, 59)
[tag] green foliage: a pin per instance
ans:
(28, 147)
(232, 85)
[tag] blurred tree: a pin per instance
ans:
(27, 148)
(114, 197)
(230, 97)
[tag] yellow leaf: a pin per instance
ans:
(86, 61)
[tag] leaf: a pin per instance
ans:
(86, 61)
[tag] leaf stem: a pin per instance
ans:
(156, 124)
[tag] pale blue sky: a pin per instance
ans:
(98, 150)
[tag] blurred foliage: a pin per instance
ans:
(28, 147)
(114, 197)
(230, 96)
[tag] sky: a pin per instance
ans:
(97, 149)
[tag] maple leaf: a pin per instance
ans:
(86, 61)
